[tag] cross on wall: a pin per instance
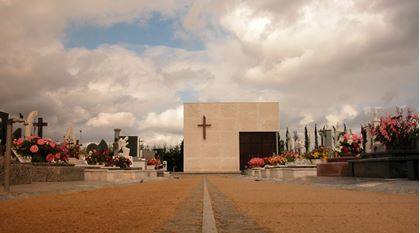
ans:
(204, 125)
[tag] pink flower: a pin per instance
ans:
(52, 144)
(34, 149)
(355, 138)
(346, 137)
(50, 157)
(19, 142)
(41, 142)
(57, 155)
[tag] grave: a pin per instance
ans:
(390, 164)
(118, 175)
(333, 166)
(283, 172)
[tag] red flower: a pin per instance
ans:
(52, 144)
(34, 149)
(41, 141)
(50, 157)
(19, 142)
(57, 155)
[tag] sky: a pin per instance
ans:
(96, 65)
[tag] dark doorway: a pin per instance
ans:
(255, 144)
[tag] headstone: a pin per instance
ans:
(91, 147)
(102, 145)
(327, 140)
(133, 145)
(376, 146)
(165, 165)
(122, 147)
(39, 125)
(18, 133)
(69, 137)
(29, 123)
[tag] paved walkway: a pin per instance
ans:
(390, 186)
(44, 188)
(213, 206)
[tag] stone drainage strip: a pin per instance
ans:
(208, 210)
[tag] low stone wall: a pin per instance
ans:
(52, 173)
(291, 172)
(19, 174)
(118, 175)
(28, 173)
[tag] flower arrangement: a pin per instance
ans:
(153, 162)
(99, 157)
(400, 130)
(317, 153)
(256, 162)
(122, 162)
(275, 160)
(41, 149)
(291, 156)
(349, 144)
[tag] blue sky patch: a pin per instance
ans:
(156, 31)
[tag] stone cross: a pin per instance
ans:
(40, 124)
(204, 125)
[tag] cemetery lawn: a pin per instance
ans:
(141, 207)
(303, 208)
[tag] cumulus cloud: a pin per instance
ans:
(321, 60)
(346, 112)
(118, 119)
(169, 120)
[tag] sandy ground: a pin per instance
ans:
(132, 208)
(300, 208)
(240, 205)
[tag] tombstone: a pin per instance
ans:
(122, 147)
(29, 123)
(133, 145)
(376, 146)
(39, 125)
(3, 127)
(91, 147)
(69, 137)
(102, 145)
(165, 165)
(327, 140)
(17, 134)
